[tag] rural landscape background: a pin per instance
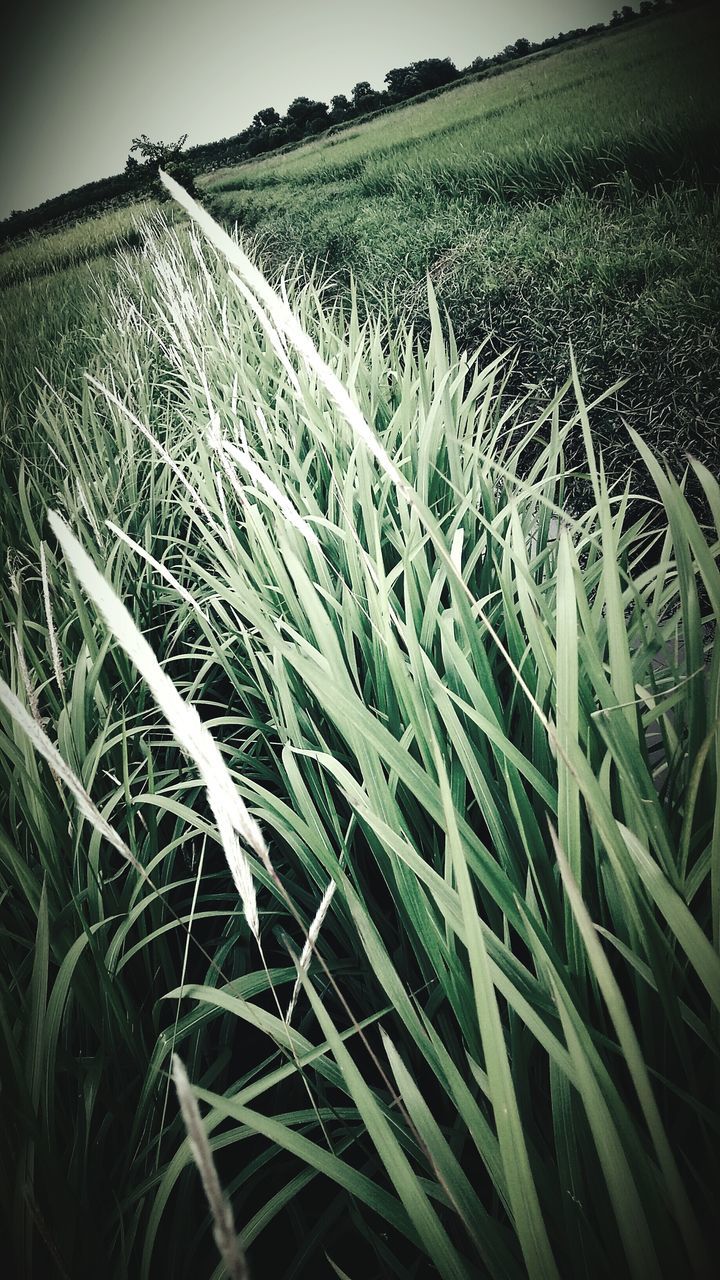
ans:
(360, 585)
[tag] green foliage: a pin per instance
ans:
(81, 202)
(429, 73)
(156, 156)
(573, 196)
(486, 713)
(306, 115)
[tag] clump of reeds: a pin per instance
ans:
(479, 723)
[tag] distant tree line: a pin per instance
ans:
(304, 118)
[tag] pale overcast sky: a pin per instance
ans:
(80, 78)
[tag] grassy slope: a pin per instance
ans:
(630, 87)
(84, 241)
(531, 198)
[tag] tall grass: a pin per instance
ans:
(42, 253)
(486, 715)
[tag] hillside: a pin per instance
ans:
(570, 200)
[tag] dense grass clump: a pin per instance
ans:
(455, 720)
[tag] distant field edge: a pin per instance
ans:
(119, 190)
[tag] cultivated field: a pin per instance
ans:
(358, 716)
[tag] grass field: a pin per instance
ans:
(311, 631)
(570, 199)
(640, 101)
(82, 242)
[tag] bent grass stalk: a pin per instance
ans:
(231, 815)
(156, 565)
(223, 1225)
(312, 937)
(42, 744)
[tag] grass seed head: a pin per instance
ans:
(226, 1239)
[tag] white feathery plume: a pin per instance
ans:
(273, 336)
(228, 808)
(287, 324)
(457, 547)
(54, 650)
(30, 689)
(236, 860)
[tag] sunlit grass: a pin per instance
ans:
(81, 242)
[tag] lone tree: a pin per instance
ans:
(160, 155)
